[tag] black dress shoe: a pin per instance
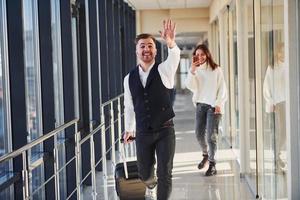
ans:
(203, 162)
(211, 169)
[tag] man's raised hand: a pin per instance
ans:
(168, 32)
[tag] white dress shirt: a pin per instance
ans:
(208, 86)
(166, 70)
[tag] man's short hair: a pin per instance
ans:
(144, 36)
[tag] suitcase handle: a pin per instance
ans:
(130, 138)
(123, 155)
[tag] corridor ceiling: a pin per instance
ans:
(168, 4)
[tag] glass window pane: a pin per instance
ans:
(58, 91)
(5, 131)
(3, 150)
(57, 62)
(32, 87)
(75, 64)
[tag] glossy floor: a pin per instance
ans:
(189, 183)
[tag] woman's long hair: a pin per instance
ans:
(279, 49)
(209, 59)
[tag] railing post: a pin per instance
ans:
(78, 161)
(119, 123)
(112, 135)
(103, 145)
(132, 149)
(93, 171)
(25, 176)
(56, 169)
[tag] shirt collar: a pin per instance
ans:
(149, 69)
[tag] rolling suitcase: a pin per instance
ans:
(128, 184)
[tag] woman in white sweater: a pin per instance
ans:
(275, 97)
(206, 81)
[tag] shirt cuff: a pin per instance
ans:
(130, 127)
(175, 48)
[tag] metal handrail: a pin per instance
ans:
(113, 99)
(87, 137)
(102, 127)
(35, 142)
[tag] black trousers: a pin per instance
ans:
(162, 143)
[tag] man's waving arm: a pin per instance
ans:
(168, 68)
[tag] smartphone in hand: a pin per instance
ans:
(195, 59)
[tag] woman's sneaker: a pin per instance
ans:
(203, 162)
(211, 169)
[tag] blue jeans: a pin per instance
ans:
(207, 123)
(162, 143)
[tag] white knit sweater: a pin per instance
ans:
(274, 85)
(208, 86)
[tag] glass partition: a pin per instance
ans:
(226, 19)
(234, 67)
(273, 89)
(251, 136)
